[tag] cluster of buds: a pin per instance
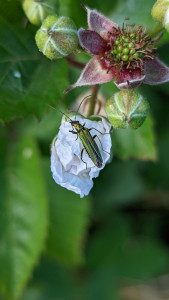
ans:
(160, 12)
(127, 54)
(57, 36)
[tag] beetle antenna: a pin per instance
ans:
(81, 104)
(65, 115)
(61, 113)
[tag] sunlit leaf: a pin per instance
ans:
(23, 214)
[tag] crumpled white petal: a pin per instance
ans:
(67, 167)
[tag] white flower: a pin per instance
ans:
(67, 167)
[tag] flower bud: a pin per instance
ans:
(37, 10)
(160, 12)
(57, 37)
(127, 109)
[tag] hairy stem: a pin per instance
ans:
(93, 98)
(72, 62)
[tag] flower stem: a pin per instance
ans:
(157, 30)
(93, 98)
(74, 63)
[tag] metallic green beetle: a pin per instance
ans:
(88, 141)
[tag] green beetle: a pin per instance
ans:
(88, 141)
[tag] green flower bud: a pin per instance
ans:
(37, 10)
(57, 37)
(160, 12)
(127, 109)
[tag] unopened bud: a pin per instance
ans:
(57, 37)
(160, 12)
(127, 109)
(37, 10)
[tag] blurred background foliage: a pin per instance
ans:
(111, 245)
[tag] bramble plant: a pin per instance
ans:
(87, 104)
(128, 54)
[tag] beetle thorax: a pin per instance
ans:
(76, 125)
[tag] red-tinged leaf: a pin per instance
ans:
(99, 23)
(92, 42)
(95, 72)
(156, 72)
(129, 80)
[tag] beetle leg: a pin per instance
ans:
(100, 144)
(100, 131)
(82, 158)
(74, 132)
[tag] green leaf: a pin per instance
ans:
(101, 284)
(23, 213)
(118, 11)
(133, 256)
(53, 282)
(158, 174)
(48, 127)
(120, 183)
(64, 8)
(139, 143)
(135, 11)
(29, 82)
(69, 215)
(74, 10)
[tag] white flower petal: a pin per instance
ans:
(67, 167)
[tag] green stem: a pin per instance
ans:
(93, 98)
(157, 30)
